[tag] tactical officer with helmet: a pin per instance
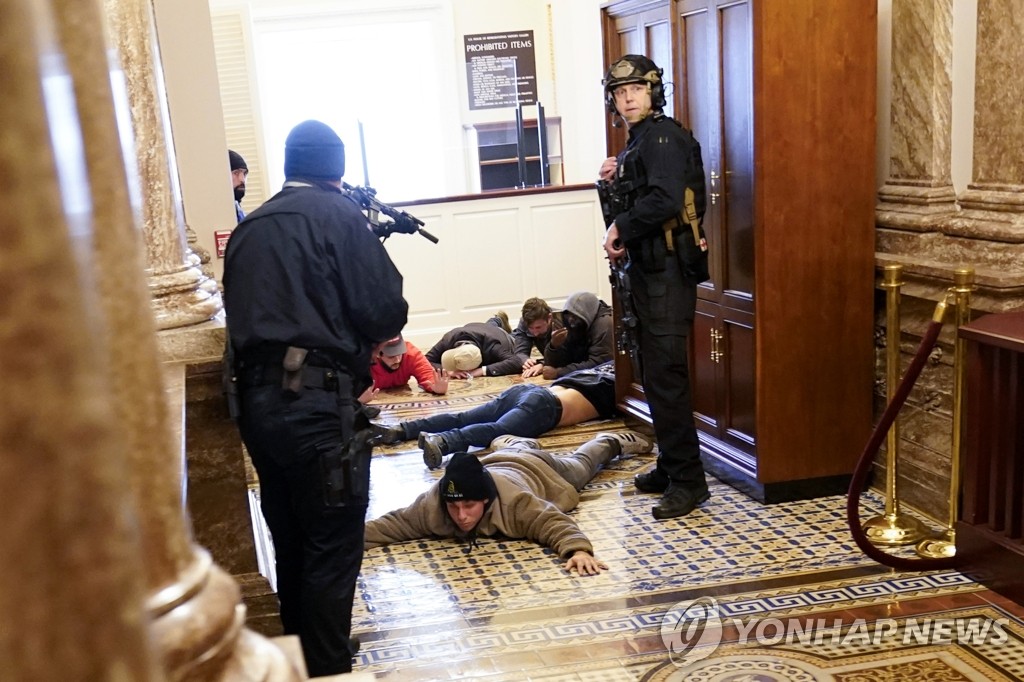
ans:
(310, 295)
(654, 232)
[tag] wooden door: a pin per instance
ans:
(716, 102)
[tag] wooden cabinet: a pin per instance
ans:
(781, 97)
(990, 531)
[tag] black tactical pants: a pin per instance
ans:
(665, 304)
(318, 548)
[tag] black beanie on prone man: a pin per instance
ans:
(466, 479)
(315, 152)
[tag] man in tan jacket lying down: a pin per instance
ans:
(518, 491)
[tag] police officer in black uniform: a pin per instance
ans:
(656, 235)
(310, 292)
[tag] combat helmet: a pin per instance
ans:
(634, 68)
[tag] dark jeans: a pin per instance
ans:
(524, 410)
(665, 304)
(318, 548)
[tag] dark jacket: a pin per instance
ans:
(524, 344)
(589, 348)
(495, 346)
(303, 270)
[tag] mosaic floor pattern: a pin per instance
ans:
(793, 598)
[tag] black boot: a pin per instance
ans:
(651, 482)
(434, 449)
(389, 435)
(680, 501)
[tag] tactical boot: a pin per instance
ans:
(434, 449)
(514, 443)
(630, 442)
(680, 501)
(389, 435)
(651, 482)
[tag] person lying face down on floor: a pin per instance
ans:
(526, 410)
(519, 491)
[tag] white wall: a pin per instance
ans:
(197, 123)
(495, 253)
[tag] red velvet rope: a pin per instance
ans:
(860, 472)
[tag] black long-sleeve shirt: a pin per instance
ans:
(304, 270)
(662, 152)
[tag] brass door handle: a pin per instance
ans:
(716, 354)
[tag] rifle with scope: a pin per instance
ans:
(400, 221)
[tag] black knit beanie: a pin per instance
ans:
(236, 161)
(315, 152)
(466, 479)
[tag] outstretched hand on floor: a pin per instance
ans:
(585, 564)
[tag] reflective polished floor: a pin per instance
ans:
(737, 591)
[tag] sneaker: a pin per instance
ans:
(389, 435)
(434, 449)
(680, 501)
(651, 482)
(630, 442)
(514, 443)
(503, 318)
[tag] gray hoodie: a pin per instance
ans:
(585, 348)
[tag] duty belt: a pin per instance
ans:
(323, 378)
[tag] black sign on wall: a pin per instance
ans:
(501, 69)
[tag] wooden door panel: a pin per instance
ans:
(705, 382)
(735, 183)
(698, 106)
(739, 421)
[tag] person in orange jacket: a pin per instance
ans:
(397, 361)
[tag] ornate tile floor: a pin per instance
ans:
(434, 610)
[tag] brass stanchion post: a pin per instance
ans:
(893, 527)
(945, 544)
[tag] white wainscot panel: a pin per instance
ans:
(564, 243)
(421, 264)
(487, 261)
(496, 252)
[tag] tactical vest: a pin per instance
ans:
(684, 231)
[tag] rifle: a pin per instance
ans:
(626, 341)
(626, 338)
(401, 221)
(612, 202)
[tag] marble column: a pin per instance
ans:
(194, 606)
(986, 229)
(182, 294)
(994, 201)
(94, 451)
(71, 579)
(919, 190)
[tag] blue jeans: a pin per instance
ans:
(524, 410)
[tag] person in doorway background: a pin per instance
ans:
(239, 174)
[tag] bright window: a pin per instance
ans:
(384, 70)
